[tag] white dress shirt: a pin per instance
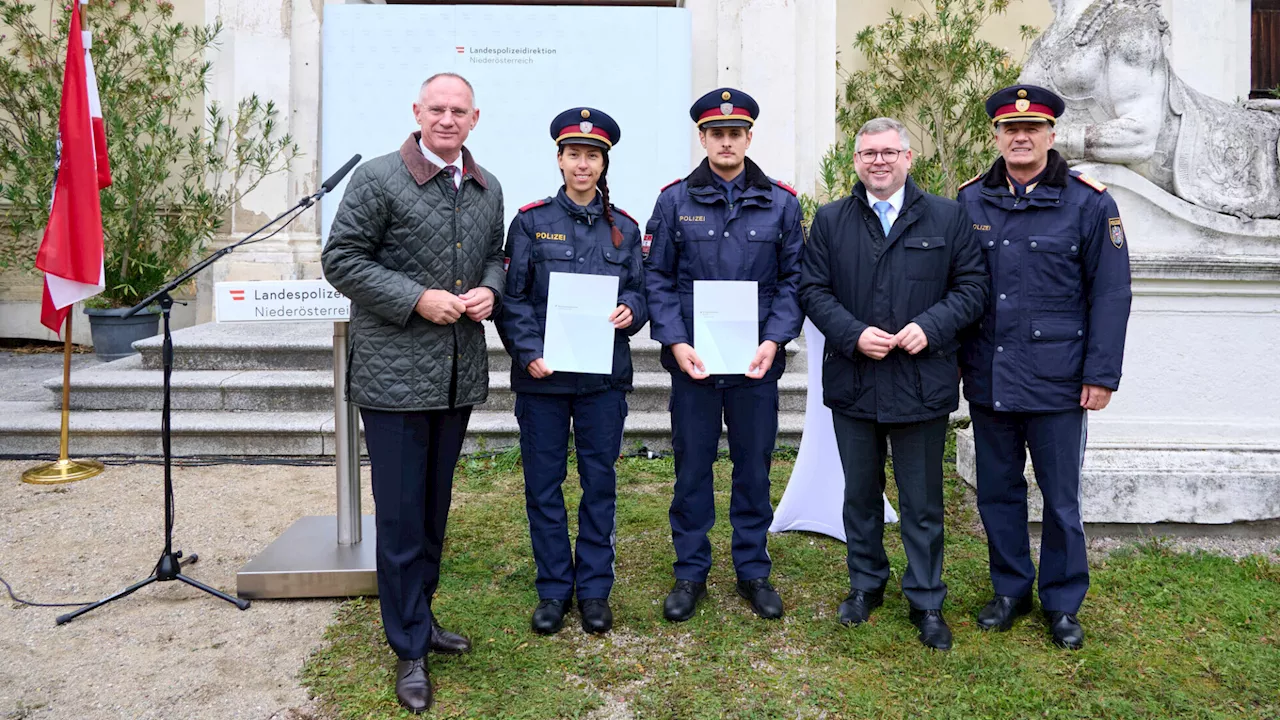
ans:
(895, 203)
(435, 159)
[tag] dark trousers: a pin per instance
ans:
(412, 455)
(917, 469)
(544, 447)
(750, 412)
(1056, 442)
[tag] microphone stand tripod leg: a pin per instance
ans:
(63, 619)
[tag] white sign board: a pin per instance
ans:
(279, 301)
(527, 64)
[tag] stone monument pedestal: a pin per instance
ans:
(1193, 435)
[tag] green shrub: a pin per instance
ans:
(176, 174)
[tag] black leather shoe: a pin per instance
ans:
(413, 685)
(764, 600)
(548, 617)
(856, 609)
(596, 615)
(934, 632)
(999, 614)
(444, 642)
(683, 600)
(1065, 629)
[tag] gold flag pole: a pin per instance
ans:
(65, 470)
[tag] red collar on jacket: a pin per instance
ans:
(423, 170)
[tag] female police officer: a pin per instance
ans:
(577, 231)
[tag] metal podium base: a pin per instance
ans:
(305, 562)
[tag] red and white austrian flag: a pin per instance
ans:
(71, 251)
(95, 116)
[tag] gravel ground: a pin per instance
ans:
(168, 651)
(1267, 545)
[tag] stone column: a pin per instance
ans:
(782, 53)
(1212, 45)
(272, 48)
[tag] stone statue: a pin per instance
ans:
(1126, 106)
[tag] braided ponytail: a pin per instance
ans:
(603, 184)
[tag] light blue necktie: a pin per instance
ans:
(882, 209)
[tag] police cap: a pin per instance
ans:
(1025, 103)
(725, 107)
(585, 126)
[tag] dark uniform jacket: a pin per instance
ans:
(928, 270)
(558, 235)
(1060, 295)
(698, 235)
(401, 229)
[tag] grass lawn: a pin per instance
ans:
(1168, 635)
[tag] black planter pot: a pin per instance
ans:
(114, 334)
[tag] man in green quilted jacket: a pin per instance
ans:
(417, 246)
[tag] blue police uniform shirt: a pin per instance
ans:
(1021, 190)
(732, 188)
(558, 235)
(697, 235)
(1058, 263)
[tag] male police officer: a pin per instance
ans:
(1048, 348)
(725, 221)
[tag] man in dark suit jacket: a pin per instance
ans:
(890, 276)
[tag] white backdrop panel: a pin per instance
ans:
(527, 64)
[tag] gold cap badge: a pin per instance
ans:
(725, 95)
(1022, 93)
(1022, 104)
(586, 113)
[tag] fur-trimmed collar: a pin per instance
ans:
(1056, 172)
(755, 177)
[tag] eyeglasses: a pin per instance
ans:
(869, 156)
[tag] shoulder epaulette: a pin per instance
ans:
(673, 182)
(1091, 183)
(625, 214)
(535, 203)
(786, 187)
(970, 181)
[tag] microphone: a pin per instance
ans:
(328, 185)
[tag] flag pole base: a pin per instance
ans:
(62, 471)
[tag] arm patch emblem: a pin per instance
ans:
(1117, 232)
(645, 244)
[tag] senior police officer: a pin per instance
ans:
(576, 231)
(417, 246)
(1048, 350)
(725, 221)
(891, 277)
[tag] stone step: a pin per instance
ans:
(32, 428)
(309, 346)
(126, 385)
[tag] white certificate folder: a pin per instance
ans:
(579, 337)
(726, 325)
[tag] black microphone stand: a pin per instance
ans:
(169, 567)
